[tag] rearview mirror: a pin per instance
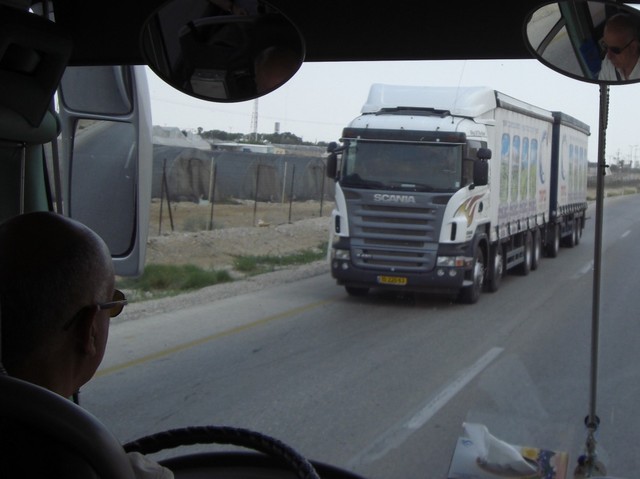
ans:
(596, 42)
(592, 41)
(218, 51)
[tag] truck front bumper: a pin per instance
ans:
(438, 280)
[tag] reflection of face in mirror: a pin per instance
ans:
(620, 41)
(593, 41)
(222, 50)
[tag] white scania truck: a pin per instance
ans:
(443, 189)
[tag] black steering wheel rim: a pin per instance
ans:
(225, 435)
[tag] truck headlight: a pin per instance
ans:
(341, 254)
(454, 261)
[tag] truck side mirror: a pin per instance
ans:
(481, 171)
(332, 160)
(484, 154)
(332, 165)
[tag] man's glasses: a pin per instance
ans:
(114, 306)
(614, 50)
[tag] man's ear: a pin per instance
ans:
(87, 330)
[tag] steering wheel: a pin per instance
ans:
(276, 461)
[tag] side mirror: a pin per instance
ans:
(481, 171)
(332, 165)
(592, 41)
(208, 51)
(484, 154)
(331, 147)
(595, 42)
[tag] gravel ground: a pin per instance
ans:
(216, 250)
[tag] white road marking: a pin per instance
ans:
(625, 234)
(586, 269)
(395, 436)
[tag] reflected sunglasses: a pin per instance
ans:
(115, 307)
(614, 50)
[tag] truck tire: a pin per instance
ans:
(355, 291)
(554, 245)
(537, 249)
(471, 294)
(527, 242)
(570, 241)
(495, 269)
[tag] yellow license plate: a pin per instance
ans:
(396, 280)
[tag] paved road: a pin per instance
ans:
(381, 385)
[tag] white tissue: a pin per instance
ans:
(497, 456)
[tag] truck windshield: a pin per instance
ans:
(402, 165)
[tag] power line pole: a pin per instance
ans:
(254, 120)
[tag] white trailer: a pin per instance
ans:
(444, 189)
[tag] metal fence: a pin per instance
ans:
(190, 174)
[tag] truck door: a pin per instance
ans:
(106, 157)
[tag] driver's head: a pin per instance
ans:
(620, 39)
(54, 274)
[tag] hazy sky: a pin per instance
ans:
(323, 97)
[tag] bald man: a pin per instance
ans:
(57, 296)
(620, 41)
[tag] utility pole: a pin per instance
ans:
(254, 120)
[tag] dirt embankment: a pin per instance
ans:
(243, 228)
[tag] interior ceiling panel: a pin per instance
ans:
(353, 30)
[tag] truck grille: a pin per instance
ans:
(397, 238)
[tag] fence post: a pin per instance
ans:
(164, 191)
(212, 192)
(324, 174)
(255, 196)
(293, 175)
(284, 181)
(161, 198)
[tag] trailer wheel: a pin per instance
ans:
(570, 241)
(537, 249)
(495, 269)
(355, 291)
(578, 231)
(471, 293)
(554, 245)
(525, 266)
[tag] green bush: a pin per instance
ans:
(166, 278)
(262, 264)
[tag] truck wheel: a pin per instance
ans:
(471, 293)
(570, 240)
(578, 231)
(525, 266)
(537, 249)
(554, 246)
(495, 269)
(354, 291)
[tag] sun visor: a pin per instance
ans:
(33, 55)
